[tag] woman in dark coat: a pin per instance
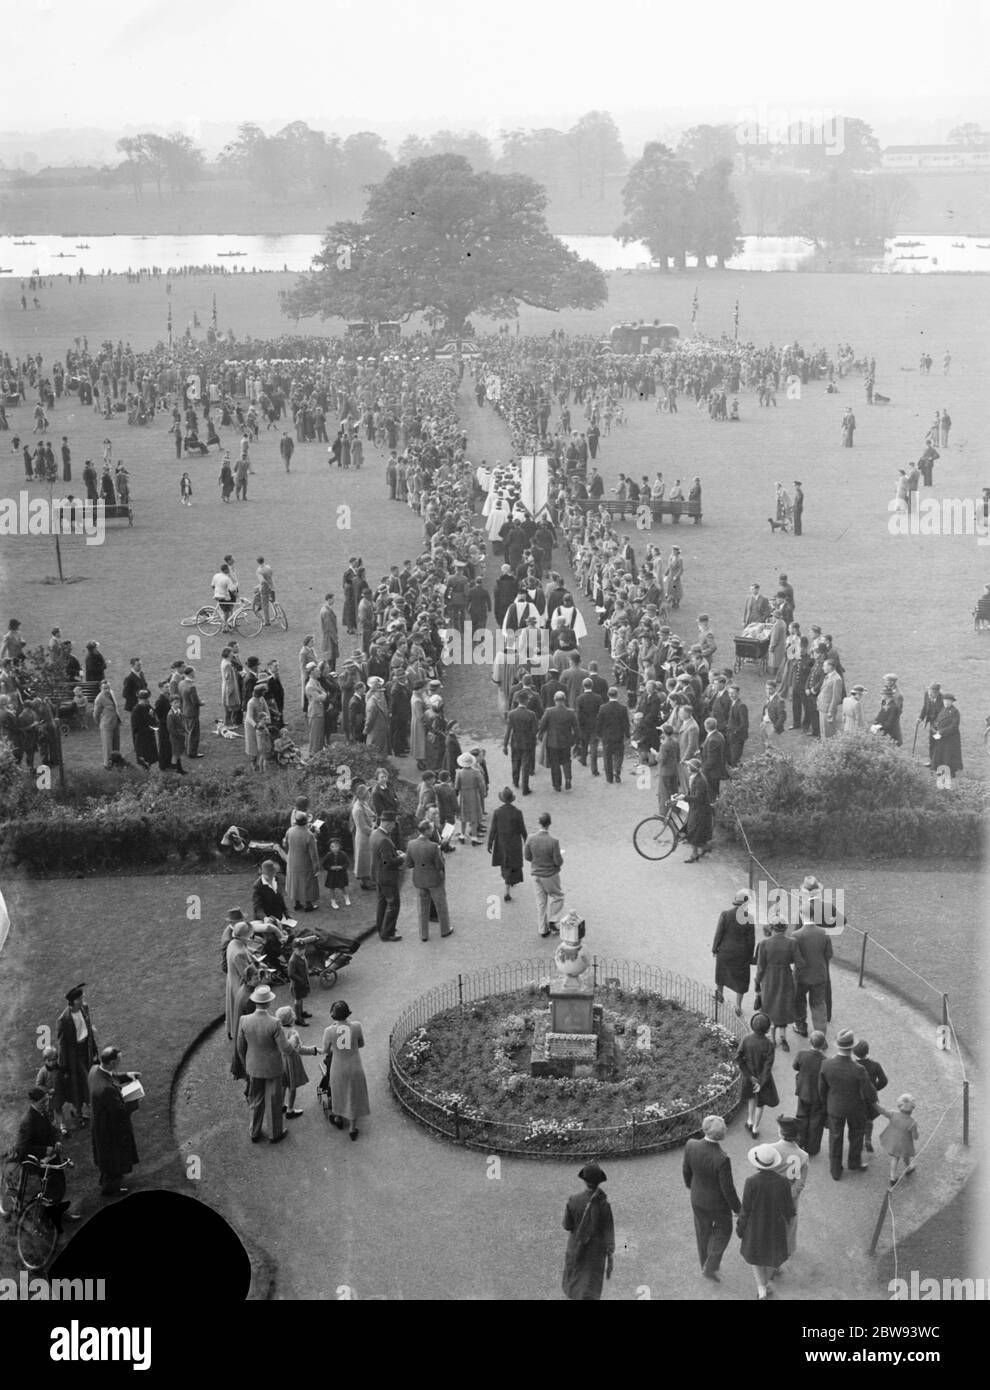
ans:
(733, 948)
(506, 838)
(144, 727)
(76, 1043)
(946, 744)
(767, 1208)
(96, 663)
(701, 821)
(163, 706)
(776, 957)
(754, 1058)
(591, 1239)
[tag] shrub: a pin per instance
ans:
(125, 819)
(857, 794)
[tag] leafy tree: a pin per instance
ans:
(261, 159)
(131, 148)
(860, 148)
(439, 239)
(659, 202)
(597, 153)
(366, 159)
(705, 145)
(969, 133)
(475, 147)
(716, 215)
(836, 211)
(542, 155)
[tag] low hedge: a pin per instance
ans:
(104, 820)
(854, 795)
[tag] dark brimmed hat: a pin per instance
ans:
(592, 1173)
(76, 992)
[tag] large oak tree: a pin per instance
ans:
(441, 239)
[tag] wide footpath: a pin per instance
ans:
(400, 1214)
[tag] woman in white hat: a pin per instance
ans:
(767, 1210)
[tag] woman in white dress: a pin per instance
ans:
(362, 824)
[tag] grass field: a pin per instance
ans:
(891, 602)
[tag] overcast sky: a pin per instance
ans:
(485, 62)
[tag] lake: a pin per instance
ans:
(59, 255)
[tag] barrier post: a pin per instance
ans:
(966, 1114)
(457, 1123)
(862, 957)
(880, 1220)
(945, 1011)
(460, 990)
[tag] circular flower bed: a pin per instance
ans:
(465, 1072)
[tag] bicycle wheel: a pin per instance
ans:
(247, 622)
(328, 978)
(36, 1235)
(193, 618)
(278, 617)
(209, 622)
(10, 1181)
(655, 838)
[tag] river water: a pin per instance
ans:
(54, 255)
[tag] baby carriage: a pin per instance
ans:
(73, 714)
(235, 841)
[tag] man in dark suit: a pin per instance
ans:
(848, 1095)
(598, 683)
(587, 706)
(549, 689)
(737, 727)
(931, 707)
(718, 702)
(811, 976)
(810, 1109)
(707, 1172)
(428, 874)
(261, 1046)
(266, 896)
(713, 757)
(506, 589)
(612, 727)
(386, 865)
(134, 683)
(191, 706)
(520, 736)
(756, 609)
(560, 726)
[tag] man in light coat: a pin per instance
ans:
(261, 1046)
(425, 857)
(829, 701)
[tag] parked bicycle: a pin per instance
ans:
(658, 836)
(276, 613)
(242, 618)
(27, 1192)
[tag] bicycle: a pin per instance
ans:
(277, 616)
(37, 1226)
(211, 620)
(658, 836)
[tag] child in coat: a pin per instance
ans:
(293, 1072)
(298, 972)
(335, 863)
(185, 490)
(899, 1137)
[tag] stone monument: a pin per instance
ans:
(567, 1043)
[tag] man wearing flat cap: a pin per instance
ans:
(75, 1040)
(849, 1096)
(707, 1173)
